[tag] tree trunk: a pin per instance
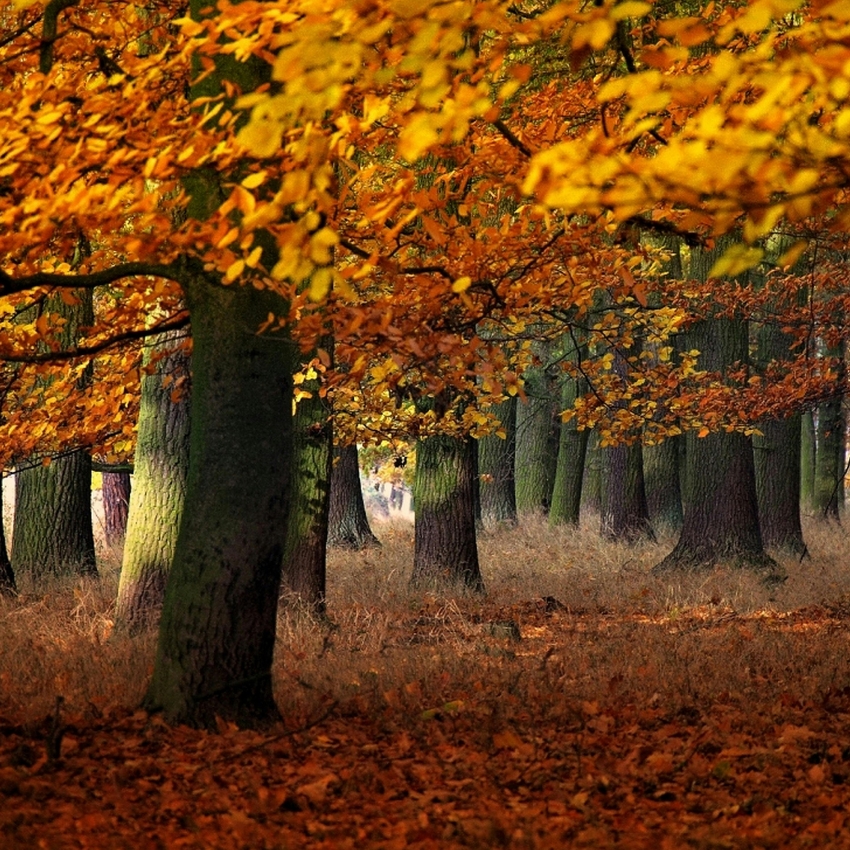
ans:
(348, 523)
(496, 469)
(572, 455)
(445, 549)
(661, 465)
(591, 491)
(217, 630)
(807, 460)
(116, 504)
(829, 460)
(625, 515)
(536, 444)
(721, 509)
(52, 532)
(159, 486)
(304, 559)
(777, 459)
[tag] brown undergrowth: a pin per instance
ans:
(580, 701)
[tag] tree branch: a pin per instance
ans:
(10, 285)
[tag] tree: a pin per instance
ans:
(116, 487)
(52, 532)
(159, 491)
(496, 458)
(445, 548)
(348, 525)
(536, 442)
(305, 550)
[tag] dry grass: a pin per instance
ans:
(596, 626)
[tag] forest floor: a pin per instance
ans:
(579, 703)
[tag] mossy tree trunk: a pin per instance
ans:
(305, 550)
(52, 532)
(159, 486)
(537, 439)
(116, 506)
(445, 548)
(807, 460)
(217, 629)
(348, 524)
(496, 469)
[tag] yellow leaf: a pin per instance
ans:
(630, 9)
(320, 283)
(462, 284)
(703, 432)
(254, 180)
(234, 270)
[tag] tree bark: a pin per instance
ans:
(445, 548)
(52, 532)
(625, 515)
(116, 504)
(217, 630)
(496, 469)
(159, 486)
(721, 510)
(807, 460)
(661, 464)
(536, 443)
(830, 460)
(348, 523)
(305, 551)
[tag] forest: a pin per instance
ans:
(422, 423)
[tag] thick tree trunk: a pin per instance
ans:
(496, 469)
(52, 532)
(591, 491)
(217, 630)
(537, 436)
(159, 487)
(116, 506)
(721, 509)
(445, 549)
(625, 515)
(777, 458)
(348, 524)
(661, 464)
(304, 559)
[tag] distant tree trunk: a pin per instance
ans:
(591, 493)
(348, 524)
(445, 550)
(7, 574)
(830, 460)
(305, 551)
(116, 503)
(807, 460)
(219, 615)
(721, 509)
(536, 443)
(496, 469)
(777, 458)
(159, 485)
(52, 532)
(572, 445)
(663, 487)
(625, 515)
